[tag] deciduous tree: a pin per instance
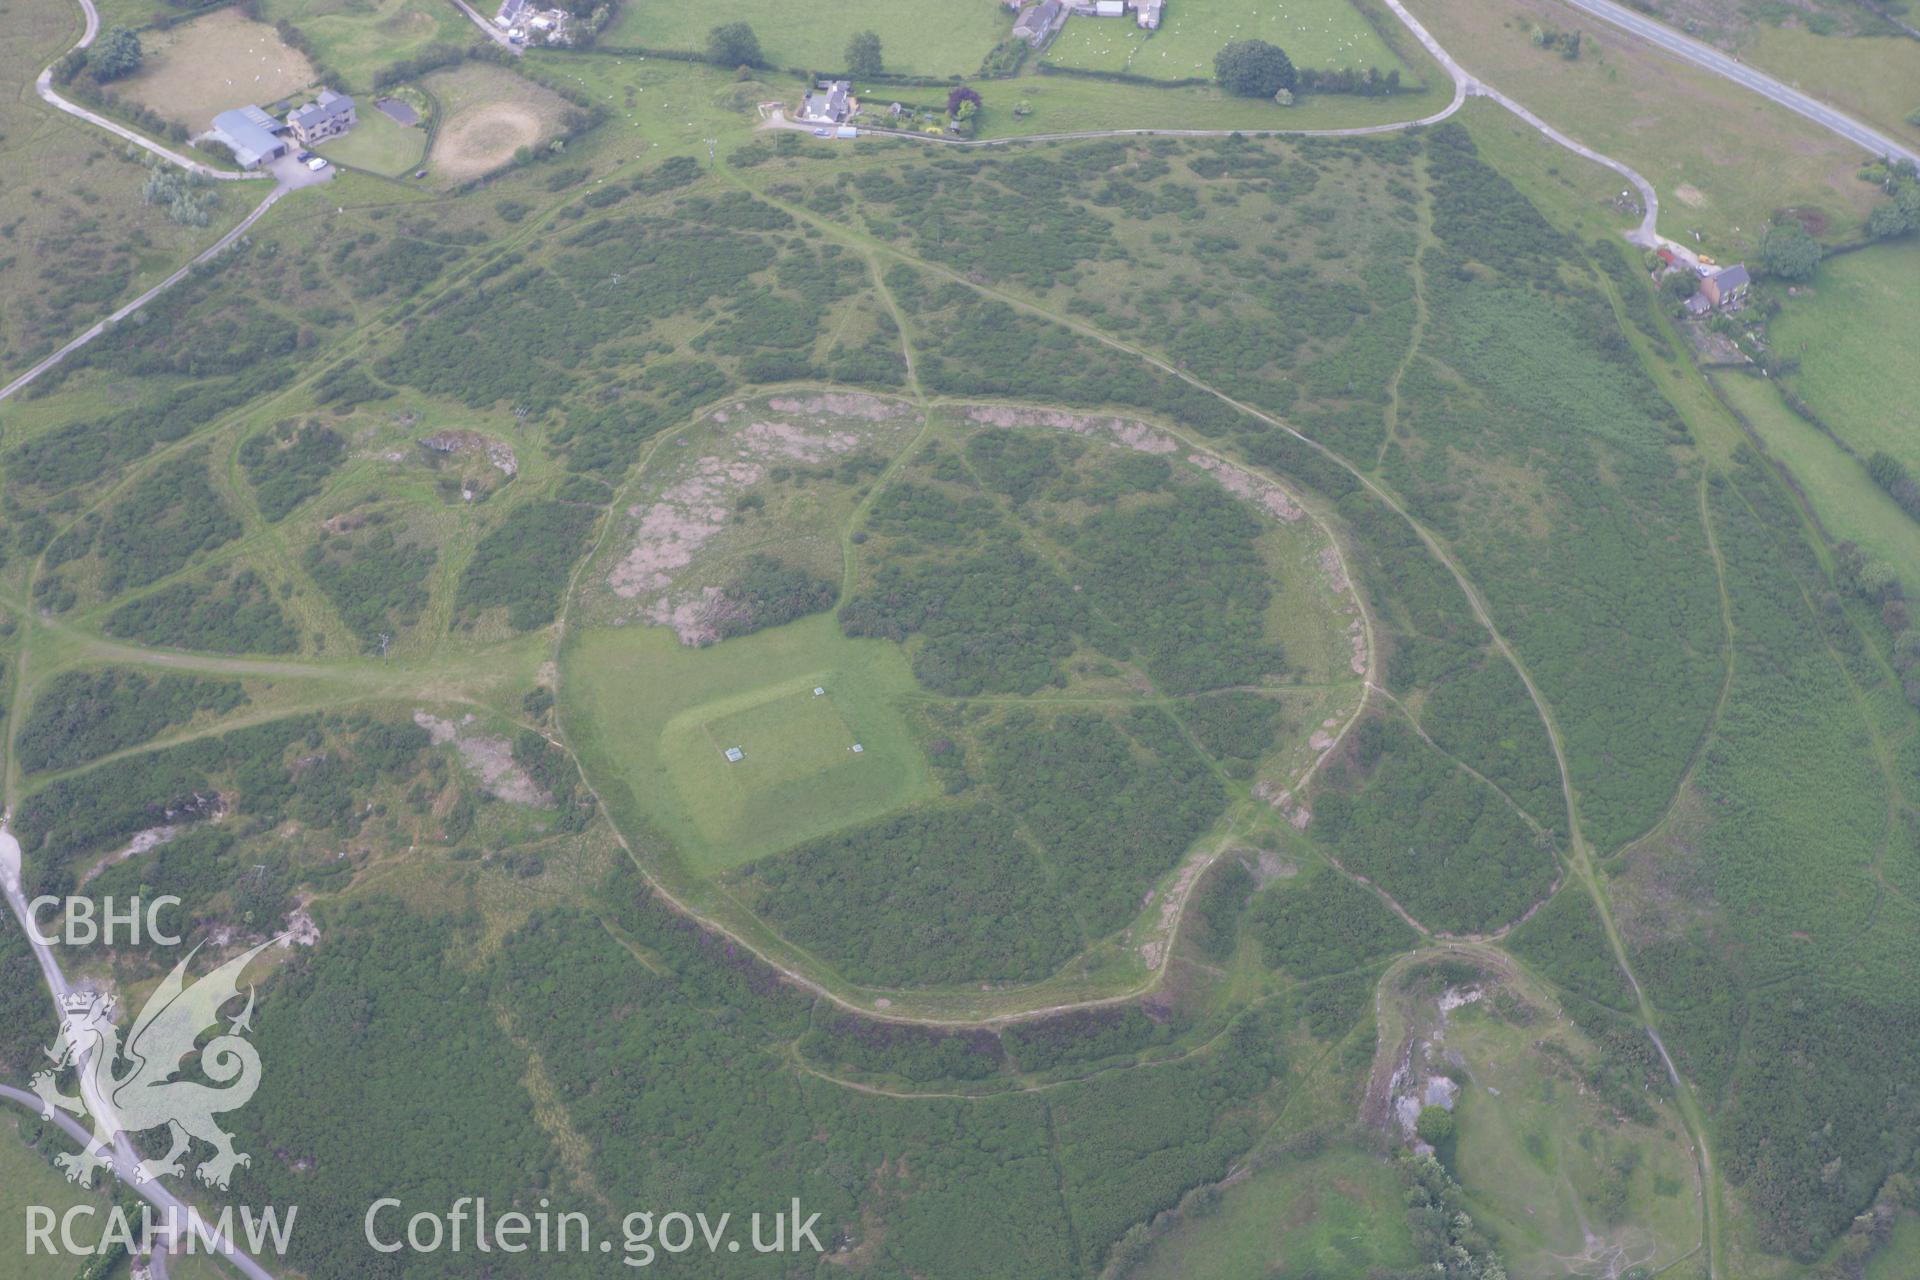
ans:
(1254, 69)
(863, 55)
(733, 44)
(1789, 251)
(118, 54)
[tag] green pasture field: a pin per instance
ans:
(799, 779)
(917, 37)
(30, 1180)
(1844, 497)
(357, 38)
(378, 143)
(1536, 1149)
(1337, 1214)
(1328, 34)
(1642, 108)
(1063, 104)
(665, 102)
(198, 69)
(487, 113)
(1876, 78)
(1846, 332)
(1899, 1259)
(131, 13)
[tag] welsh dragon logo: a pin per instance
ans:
(132, 1087)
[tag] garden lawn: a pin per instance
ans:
(377, 144)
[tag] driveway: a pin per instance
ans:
(293, 174)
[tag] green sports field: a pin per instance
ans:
(1315, 33)
(799, 776)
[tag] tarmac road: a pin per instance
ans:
(124, 1157)
(1725, 65)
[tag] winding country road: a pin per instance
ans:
(282, 184)
(44, 85)
(494, 33)
(125, 1159)
(100, 327)
(1705, 56)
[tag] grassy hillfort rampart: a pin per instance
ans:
(1056, 701)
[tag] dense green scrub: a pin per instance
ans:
(615, 296)
(1788, 1002)
(658, 1085)
(929, 896)
(224, 611)
(25, 1010)
(289, 465)
(1018, 563)
(1449, 848)
(1565, 942)
(83, 715)
(1324, 923)
(522, 564)
(376, 578)
(166, 518)
(79, 813)
(382, 1026)
(1547, 459)
(1139, 239)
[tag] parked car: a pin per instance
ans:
(823, 133)
(317, 163)
(304, 156)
